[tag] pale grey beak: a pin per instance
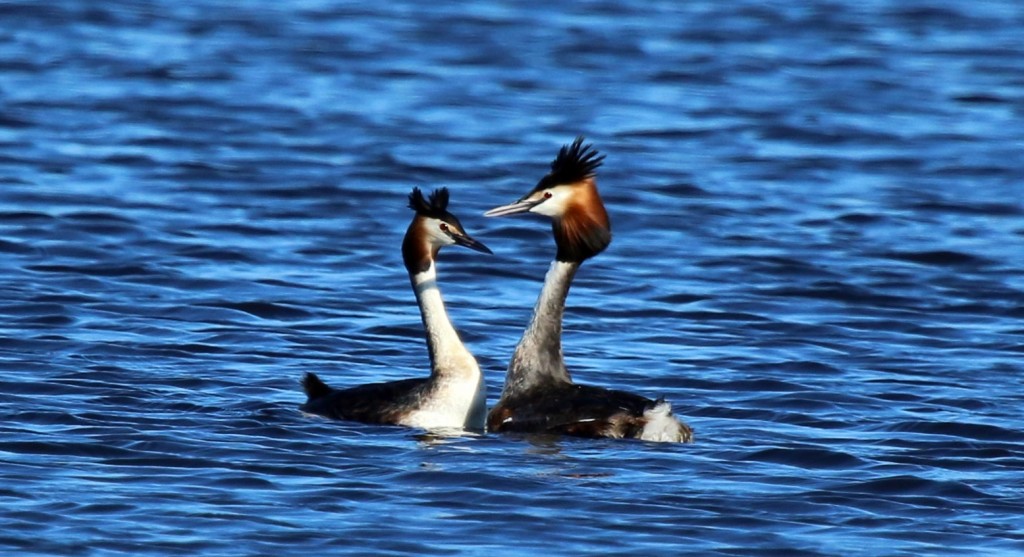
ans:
(521, 206)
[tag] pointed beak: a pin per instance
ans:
(521, 206)
(465, 240)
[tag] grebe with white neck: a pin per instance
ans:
(454, 395)
(539, 395)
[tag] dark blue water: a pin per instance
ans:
(819, 220)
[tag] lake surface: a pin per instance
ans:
(818, 258)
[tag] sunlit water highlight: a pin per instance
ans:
(817, 257)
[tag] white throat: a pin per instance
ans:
(448, 356)
(457, 395)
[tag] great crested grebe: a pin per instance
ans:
(539, 395)
(454, 396)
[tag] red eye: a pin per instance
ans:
(547, 195)
(444, 227)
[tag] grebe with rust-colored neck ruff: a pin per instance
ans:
(539, 395)
(454, 395)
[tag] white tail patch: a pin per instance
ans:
(663, 427)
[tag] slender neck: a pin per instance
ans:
(538, 359)
(448, 356)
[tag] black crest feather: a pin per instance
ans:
(436, 205)
(574, 162)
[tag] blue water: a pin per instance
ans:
(818, 214)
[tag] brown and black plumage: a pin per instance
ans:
(453, 396)
(539, 394)
(381, 403)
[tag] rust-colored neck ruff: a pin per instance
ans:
(584, 230)
(417, 252)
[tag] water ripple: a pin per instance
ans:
(816, 215)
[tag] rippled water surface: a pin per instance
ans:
(818, 214)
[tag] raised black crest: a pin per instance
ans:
(574, 162)
(434, 206)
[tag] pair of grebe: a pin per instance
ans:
(539, 395)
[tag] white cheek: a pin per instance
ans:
(435, 235)
(545, 209)
(438, 237)
(555, 205)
